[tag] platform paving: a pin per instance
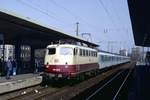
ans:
(19, 81)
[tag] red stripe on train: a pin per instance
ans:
(70, 69)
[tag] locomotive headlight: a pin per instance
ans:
(66, 66)
(47, 66)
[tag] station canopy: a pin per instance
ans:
(26, 31)
(140, 18)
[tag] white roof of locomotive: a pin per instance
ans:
(70, 45)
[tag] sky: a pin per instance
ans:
(107, 21)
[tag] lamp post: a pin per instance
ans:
(77, 29)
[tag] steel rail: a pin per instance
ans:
(88, 98)
(114, 98)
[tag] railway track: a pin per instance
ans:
(110, 89)
(72, 92)
(57, 93)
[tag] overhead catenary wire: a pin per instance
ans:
(123, 28)
(39, 9)
(74, 15)
(51, 14)
(106, 11)
(118, 18)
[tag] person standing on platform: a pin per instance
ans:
(36, 65)
(14, 66)
(9, 68)
(147, 58)
(0, 67)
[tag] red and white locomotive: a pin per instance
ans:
(68, 60)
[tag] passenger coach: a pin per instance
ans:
(107, 59)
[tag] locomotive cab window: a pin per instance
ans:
(66, 51)
(75, 51)
(51, 51)
(81, 54)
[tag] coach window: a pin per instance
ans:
(51, 51)
(86, 52)
(92, 53)
(89, 53)
(103, 58)
(80, 52)
(117, 58)
(112, 58)
(74, 51)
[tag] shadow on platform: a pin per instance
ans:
(140, 89)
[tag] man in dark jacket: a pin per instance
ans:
(9, 68)
(14, 66)
(147, 58)
(0, 67)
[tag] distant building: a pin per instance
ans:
(25, 53)
(8, 52)
(136, 54)
(123, 52)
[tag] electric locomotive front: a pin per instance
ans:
(59, 61)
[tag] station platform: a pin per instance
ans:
(18, 82)
(140, 87)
